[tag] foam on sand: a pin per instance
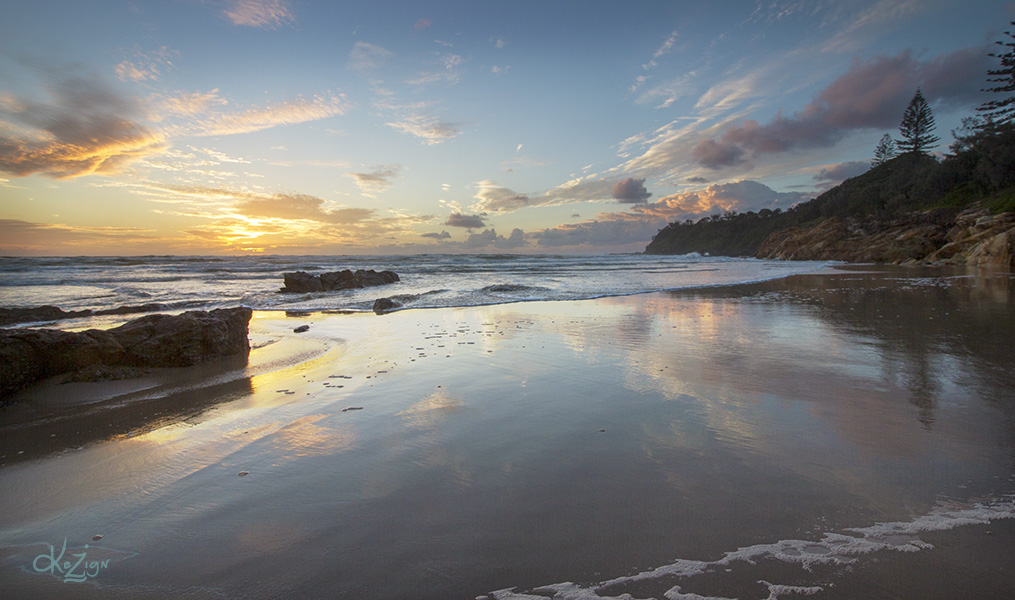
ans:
(832, 549)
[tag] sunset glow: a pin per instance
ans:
(279, 127)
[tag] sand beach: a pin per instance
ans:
(833, 435)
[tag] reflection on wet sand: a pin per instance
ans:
(531, 444)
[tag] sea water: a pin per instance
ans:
(426, 281)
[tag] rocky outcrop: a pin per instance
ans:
(28, 355)
(979, 238)
(303, 282)
(971, 237)
(12, 316)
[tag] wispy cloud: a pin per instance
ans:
(365, 56)
(871, 95)
(266, 14)
(882, 14)
(291, 112)
(26, 237)
(299, 207)
(449, 71)
(496, 199)
(376, 180)
(430, 129)
(191, 103)
(146, 66)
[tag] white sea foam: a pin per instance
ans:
(831, 549)
(428, 281)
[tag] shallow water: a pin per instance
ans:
(739, 442)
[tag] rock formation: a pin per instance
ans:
(11, 316)
(29, 355)
(303, 282)
(972, 237)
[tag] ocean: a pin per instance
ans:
(427, 281)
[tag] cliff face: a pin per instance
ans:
(971, 237)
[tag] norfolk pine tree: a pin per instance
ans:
(1001, 111)
(917, 125)
(884, 151)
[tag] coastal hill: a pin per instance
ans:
(910, 209)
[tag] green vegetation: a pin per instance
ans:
(981, 169)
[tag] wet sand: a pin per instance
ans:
(453, 453)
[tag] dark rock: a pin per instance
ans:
(28, 355)
(302, 282)
(184, 340)
(10, 316)
(383, 305)
(128, 310)
(301, 329)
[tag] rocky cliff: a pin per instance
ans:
(971, 237)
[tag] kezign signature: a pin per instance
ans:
(73, 571)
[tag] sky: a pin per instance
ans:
(197, 127)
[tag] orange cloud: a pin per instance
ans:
(266, 14)
(289, 112)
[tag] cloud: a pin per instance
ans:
(616, 229)
(630, 231)
(871, 95)
(715, 155)
(631, 191)
(299, 206)
(364, 56)
(696, 180)
(489, 238)
(444, 235)
(376, 181)
(146, 67)
(741, 196)
(266, 14)
(85, 128)
(493, 198)
(667, 45)
(19, 237)
(449, 72)
(422, 24)
(465, 221)
(193, 103)
(842, 171)
(430, 129)
(290, 112)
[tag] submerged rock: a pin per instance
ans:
(29, 355)
(383, 305)
(303, 282)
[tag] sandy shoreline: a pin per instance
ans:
(449, 453)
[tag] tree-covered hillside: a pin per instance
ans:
(981, 169)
